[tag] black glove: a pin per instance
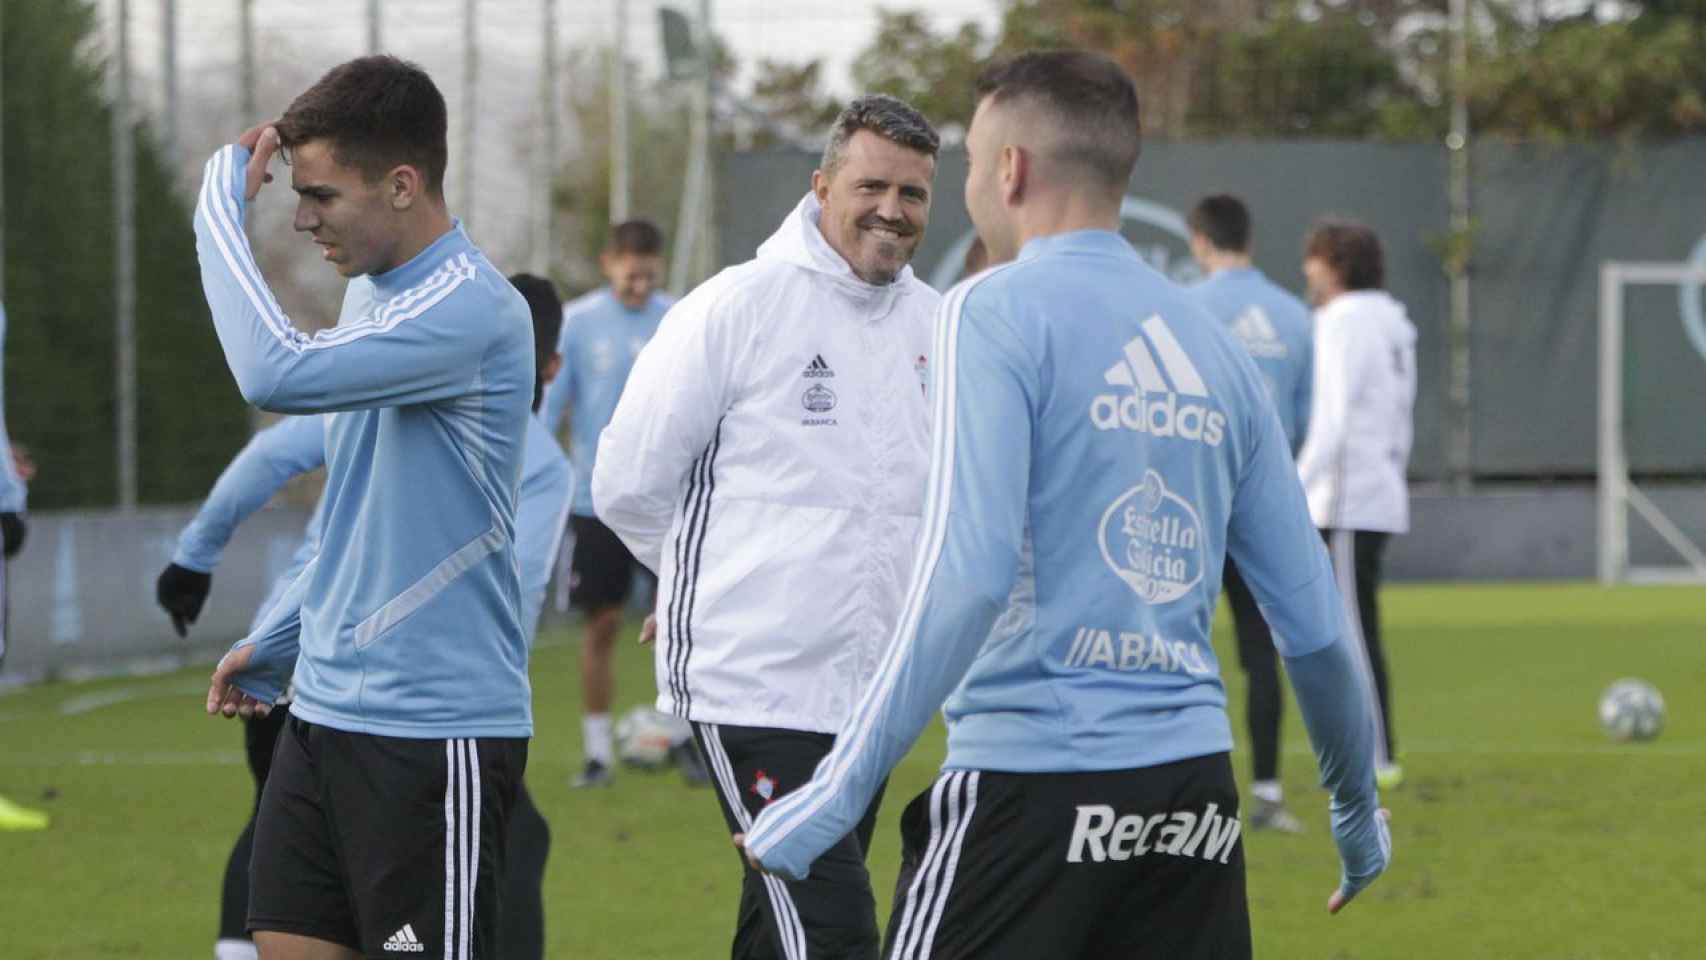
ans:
(181, 592)
(12, 532)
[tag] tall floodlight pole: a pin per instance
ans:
(2, 157)
(124, 197)
(691, 220)
(470, 106)
(246, 55)
(619, 155)
(1457, 145)
(169, 81)
(374, 36)
(545, 251)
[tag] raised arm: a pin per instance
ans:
(970, 543)
(1280, 555)
(666, 422)
(402, 352)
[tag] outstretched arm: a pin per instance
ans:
(1280, 555)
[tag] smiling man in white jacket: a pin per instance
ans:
(768, 461)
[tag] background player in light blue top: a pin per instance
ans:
(1275, 328)
(1100, 445)
(382, 820)
(12, 532)
(602, 334)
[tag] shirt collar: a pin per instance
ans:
(1102, 242)
(422, 265)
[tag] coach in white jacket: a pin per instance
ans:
(1355, 453)
(768, 460)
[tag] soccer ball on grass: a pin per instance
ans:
(1631, 710)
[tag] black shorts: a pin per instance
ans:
(601, 572)
(386, 845)
(260, 742)
(1145, 863)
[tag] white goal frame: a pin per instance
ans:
(1617, 493)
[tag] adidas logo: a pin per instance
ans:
(1256, 332)
(817, 368)
(1149, 405)
(405, 941)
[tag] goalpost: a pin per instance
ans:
(1617, 493)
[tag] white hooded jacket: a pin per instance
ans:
(768, 461)
(1353, 459)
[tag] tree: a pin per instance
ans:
(792, 97)
(1582, 79)
(934, 72)
(60, 276)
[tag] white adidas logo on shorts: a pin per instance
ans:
(405, 941)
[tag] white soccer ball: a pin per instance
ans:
(1631, 710)
(644, 737)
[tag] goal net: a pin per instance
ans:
(1677, 556)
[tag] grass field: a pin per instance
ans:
(1522, 832)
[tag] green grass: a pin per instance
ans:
(1522, 831)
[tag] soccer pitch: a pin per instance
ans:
(1521, 832)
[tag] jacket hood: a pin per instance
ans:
(1375, 307)
(799, 241)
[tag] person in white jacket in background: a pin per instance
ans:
(1354, 455)
(768, 461)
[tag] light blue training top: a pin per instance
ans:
(1277, 330)
(12, 491)
(411, 614)
(1100, 444)
(600, 339)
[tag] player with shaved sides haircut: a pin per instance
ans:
(1100, 446)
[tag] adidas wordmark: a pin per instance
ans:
(1150, 406)
(405, 941)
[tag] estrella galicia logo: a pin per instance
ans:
(1152, 539)
(818, 399)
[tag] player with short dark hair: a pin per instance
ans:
(296, 446)
(383, 823)
(1099, 445)
(1354, 456)
(1274, 328)
(602, 333)
(767, 460)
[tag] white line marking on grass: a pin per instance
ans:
(90, 702)
(1684, 748)
(127, 758)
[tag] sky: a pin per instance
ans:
(496, 176)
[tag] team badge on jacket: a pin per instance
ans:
(764, 787)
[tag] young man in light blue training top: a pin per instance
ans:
(382, 826)
(1274, 328)
(12, 532)
(602, 334)
(295, 446)
(1100, 444)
